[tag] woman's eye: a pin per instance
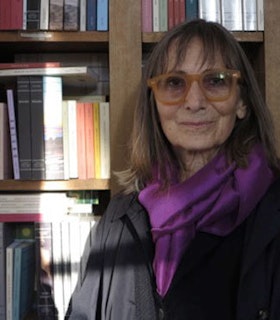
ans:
(175, 82)
(215, 80)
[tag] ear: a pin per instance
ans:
(241, 110)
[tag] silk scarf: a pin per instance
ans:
(215, 200)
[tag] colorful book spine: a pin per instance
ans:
(24, 127)
(91, 15)
(147, 15)
(102, 15)
(81, 141)
(96, 125)
(5, 13)
(171, 21)
(191, 10)
(163, 16)
(16, 17)
(89, 139)
(13, 133)
(37, 128)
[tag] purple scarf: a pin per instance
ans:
(214, 200)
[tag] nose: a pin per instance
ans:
(194, 99)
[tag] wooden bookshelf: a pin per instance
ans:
(125, 44)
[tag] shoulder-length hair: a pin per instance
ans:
(149, 146)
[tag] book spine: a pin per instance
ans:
(191, 9)
(182, 11)
(91, 15)
(6, 171)
(16, 14)
(81, 144)
(105, 139)
(16, 283)
(28, 65)
(210, 11)
(89, 133)
(56, 15)
(96, 125)
(71, 15)
(37, 128)
(5, 14)
(33, 15)
(102, 15)
(83, 15)
(65, 128)
(249, 15)
(53, 131)
(156, 16)
(13, 133)
(231, 12)
(176, 12)
(24, 127)
(163, 22)
(44, 267)
(72, 127)
(147, 15)
(44, 15)
(260, 15)
(171, 21)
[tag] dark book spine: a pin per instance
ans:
(37, 127)
(33, 15)
(24, 127)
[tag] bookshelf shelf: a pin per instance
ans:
(57, 185)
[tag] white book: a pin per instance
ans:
(72, 137)
(104, 113)
(65, 128)
(249, 15)
(210, 10)
(260, 15)
(156, 27)
(83, 14)
(231, 12)
(57, 270)
(44, 15)
(13, 133)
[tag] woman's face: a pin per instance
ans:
(198, 125)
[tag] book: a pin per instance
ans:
(71, 13)
(81, 140)
(231, 13)
(96, 125)
(32, 14)
(104, 113)
(37, 128)
(6, 237)
(191, 10)
(163, 16)
(170, 8)
(5, 13)
(24, 127)
(72, 137)
(16, 18)
(91, 21)
(13, 132)
(56, 15)
(210, 10)
(24, 279)
(89, 139)
(156, 16)
(147, 15)
(6, 171)
(249, 15)
(44, 268)
(102, 23)
(182, 11)
(28, 65)
(65, 128)
(44, 14)
(83, 15)
(9, 278)
(53, 131)
(176, 12)
(260, 15)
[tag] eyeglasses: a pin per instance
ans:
(172, 88)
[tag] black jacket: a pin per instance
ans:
(220, 278)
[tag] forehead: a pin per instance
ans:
(193, 55)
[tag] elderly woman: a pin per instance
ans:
(196, 233)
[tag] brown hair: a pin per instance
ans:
(149, 146)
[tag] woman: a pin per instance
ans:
(196, 233)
